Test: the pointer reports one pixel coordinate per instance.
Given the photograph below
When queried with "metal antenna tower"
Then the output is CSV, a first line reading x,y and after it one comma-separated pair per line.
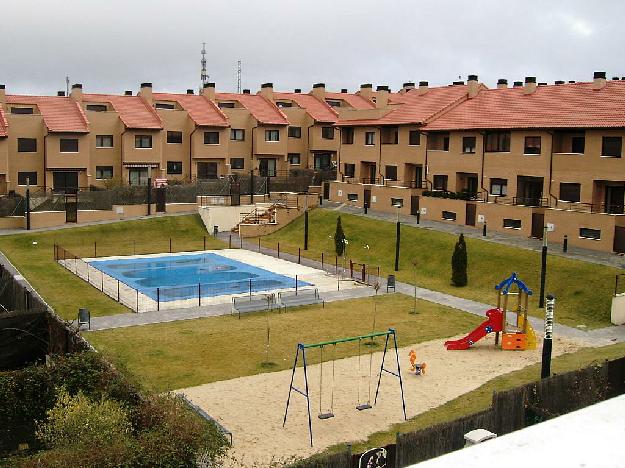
x,y
204,75
67,85
239,77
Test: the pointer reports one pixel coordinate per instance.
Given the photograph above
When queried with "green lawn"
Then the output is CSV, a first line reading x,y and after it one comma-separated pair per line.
x,y
186,353
583,290
64,291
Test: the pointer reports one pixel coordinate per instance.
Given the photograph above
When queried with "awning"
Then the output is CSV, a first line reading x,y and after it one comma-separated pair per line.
x,y
140,164
66,169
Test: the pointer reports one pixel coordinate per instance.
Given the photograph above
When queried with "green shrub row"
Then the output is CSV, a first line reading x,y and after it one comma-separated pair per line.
x,y
450,195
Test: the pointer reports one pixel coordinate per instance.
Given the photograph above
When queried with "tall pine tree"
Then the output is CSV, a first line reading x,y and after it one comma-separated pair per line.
x,y
459,263
339,237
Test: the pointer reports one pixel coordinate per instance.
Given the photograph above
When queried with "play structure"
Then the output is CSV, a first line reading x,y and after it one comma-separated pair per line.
x,y
417,367
327,412
516,334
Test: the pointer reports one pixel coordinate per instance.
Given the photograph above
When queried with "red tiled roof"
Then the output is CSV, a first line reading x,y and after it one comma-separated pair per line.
x,y
418,108
60,114
202,110
133,111
318,110
572,105
354,100
264,111
3,124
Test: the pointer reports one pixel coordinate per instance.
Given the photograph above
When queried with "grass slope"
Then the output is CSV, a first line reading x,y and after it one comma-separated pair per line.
x,y
583,290
64,291
180,354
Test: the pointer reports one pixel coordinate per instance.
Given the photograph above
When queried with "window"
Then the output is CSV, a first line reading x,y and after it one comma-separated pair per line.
x,y
165,106
104,172
22,110
68,145
138,176
237,134
25,178
498,142
272,135
389,136
347,136
143,141
570,192
578,144
211,138
438,141
97,107
352,196
327,133
397,201
174,167
104,141
449,215
468,144
350,170
174,137
440,182
588,233
611,147
512,223
391,172
295,132
333,103
414,138
499,187
237,163
226,105
532,145
283,104
369,138
26,145
293,158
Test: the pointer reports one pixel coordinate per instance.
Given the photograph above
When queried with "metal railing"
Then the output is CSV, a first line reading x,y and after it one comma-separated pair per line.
x,y
531,201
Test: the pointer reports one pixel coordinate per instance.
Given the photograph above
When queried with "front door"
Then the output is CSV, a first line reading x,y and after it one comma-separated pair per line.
x,y
267,167
323,161
367,195
470,214
138,176
65,181
326,190
538,225
414,205
619,239
206,170
614,196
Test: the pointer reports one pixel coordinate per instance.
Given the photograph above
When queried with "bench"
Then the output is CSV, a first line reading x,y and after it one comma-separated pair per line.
x,y
254,303
300,298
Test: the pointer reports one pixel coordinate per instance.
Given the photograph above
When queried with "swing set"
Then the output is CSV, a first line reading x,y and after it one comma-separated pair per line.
x,y
361,405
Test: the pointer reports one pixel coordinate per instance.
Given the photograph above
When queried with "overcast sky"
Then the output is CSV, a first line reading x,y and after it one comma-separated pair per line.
x,y
113,45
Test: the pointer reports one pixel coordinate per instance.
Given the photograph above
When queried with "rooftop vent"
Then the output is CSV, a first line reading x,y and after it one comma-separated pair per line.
x,y
517,84
559,82
143,85
60,93
382,88
458,83
298,90
189,91
344,90
77,86
246,91
319,85
127,93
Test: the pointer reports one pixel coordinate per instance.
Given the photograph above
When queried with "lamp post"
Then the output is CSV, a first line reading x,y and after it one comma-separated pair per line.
x,y
149,190
543,270
27,203
397,238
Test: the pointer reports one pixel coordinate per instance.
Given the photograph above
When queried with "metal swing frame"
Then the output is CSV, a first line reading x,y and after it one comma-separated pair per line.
x,y
301,349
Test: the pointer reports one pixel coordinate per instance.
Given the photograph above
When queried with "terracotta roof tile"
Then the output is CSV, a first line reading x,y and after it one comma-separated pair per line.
x,y
60,114
4,125
418,108
133,111
264,111
574,105
354,100
202,110
318,110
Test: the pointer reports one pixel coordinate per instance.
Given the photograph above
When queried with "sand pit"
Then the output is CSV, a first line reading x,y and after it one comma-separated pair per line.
x,y
253,407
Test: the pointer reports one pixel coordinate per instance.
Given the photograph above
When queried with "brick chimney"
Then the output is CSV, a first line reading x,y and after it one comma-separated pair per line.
x,y
473,86
319,91
423,87
381,98
517,84
76,93
3,96
599,80
266,90
366,91
146,92
189,91
409,85
297,90
209,91
247,91
502,83
530,85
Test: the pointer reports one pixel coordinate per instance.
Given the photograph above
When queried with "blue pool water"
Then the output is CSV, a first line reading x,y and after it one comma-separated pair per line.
x,y
189,276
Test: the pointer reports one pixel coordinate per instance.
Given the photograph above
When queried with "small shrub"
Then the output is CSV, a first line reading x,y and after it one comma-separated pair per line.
x,y
459,263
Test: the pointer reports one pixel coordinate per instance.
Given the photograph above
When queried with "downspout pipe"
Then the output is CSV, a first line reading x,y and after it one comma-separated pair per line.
x,y
121,156
380,156
551,195
426,171
45,162
483,134
309,148
339,173
191,153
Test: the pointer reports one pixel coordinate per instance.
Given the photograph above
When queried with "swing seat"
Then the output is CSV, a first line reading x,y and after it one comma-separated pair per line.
x,y
364,406
325,415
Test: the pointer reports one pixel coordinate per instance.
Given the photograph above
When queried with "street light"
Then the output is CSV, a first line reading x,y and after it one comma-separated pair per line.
x,y
397,237
543,270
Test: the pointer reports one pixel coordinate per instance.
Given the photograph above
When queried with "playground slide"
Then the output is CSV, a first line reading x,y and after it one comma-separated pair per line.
x,y
493,324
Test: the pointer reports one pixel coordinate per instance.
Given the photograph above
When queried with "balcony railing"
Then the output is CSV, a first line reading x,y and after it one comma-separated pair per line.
x,y
531,201
370,180
615,209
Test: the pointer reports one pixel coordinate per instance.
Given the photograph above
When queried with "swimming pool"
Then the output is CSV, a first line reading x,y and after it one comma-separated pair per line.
x,y
175,277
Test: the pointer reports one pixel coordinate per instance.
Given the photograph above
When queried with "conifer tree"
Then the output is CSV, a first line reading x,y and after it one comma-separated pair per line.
x,y
459,263
339,237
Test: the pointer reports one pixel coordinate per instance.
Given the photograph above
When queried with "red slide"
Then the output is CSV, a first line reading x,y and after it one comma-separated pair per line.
x,y
493,324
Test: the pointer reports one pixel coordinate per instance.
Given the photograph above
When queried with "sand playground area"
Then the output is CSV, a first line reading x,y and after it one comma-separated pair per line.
x,y
252,408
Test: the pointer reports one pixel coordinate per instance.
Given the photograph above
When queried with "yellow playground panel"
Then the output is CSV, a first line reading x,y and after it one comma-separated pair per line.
x,y
518,334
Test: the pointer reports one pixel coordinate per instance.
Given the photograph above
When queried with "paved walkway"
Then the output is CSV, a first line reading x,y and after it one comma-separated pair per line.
x,y
555,247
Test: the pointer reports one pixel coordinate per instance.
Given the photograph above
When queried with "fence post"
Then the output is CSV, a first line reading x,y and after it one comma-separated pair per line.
x,y
296,285
336,264
240,241
170,245
199,294
259,244
88,274
229,241
158,299
364,270
484,230
102,275
322,260
565,244
278,249
137,300
250,287
299,255
95,249
117,290
204,243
